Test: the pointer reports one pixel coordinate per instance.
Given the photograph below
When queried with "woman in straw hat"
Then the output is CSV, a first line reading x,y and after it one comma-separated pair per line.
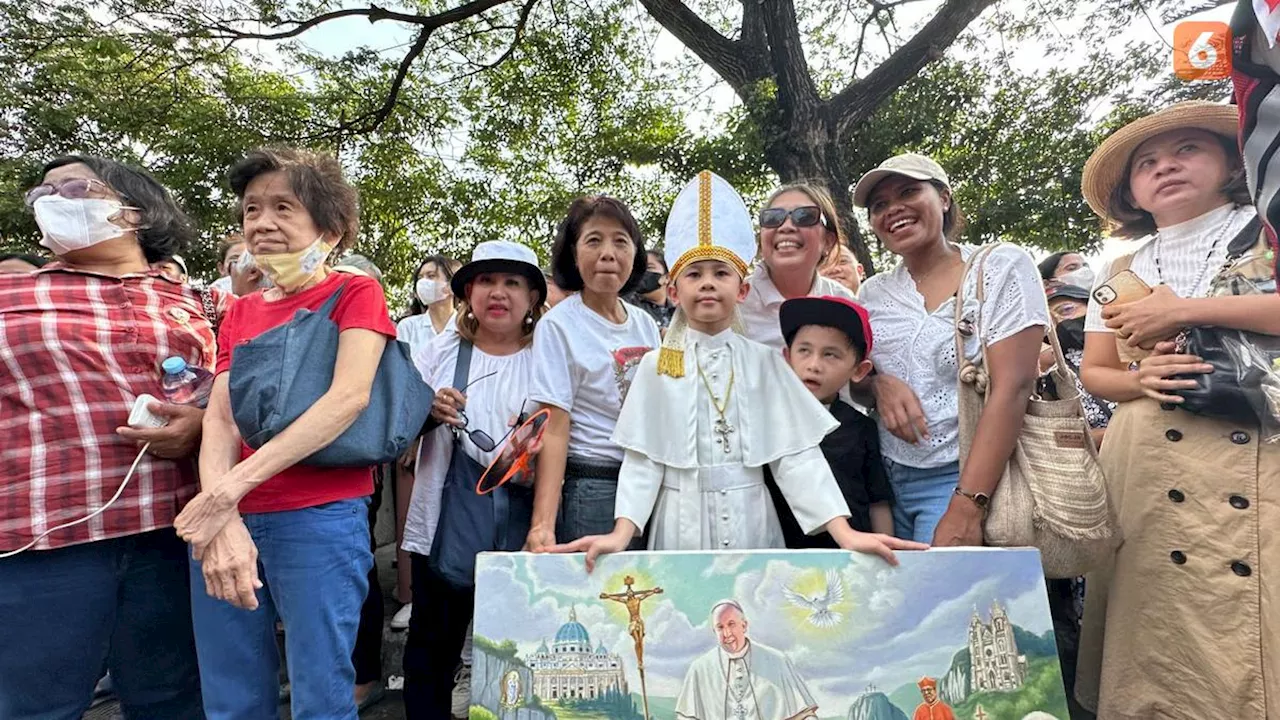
x,y
1191,624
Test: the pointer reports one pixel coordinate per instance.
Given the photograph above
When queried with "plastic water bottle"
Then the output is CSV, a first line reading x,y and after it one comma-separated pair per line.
x,y
185,385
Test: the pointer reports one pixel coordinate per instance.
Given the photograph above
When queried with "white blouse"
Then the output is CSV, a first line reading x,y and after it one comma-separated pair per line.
x,y
761,308
919,348
1187,264
491,405
418,330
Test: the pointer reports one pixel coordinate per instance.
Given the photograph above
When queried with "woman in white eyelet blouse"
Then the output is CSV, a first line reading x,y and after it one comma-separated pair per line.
x,y
909,204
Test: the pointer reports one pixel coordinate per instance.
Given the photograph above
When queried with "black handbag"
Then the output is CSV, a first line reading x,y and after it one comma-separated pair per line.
x,y
471,523
1242,361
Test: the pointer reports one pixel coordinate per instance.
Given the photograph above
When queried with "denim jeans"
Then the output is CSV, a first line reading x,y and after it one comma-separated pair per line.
x,y
586,506
314,566
920,497
67,615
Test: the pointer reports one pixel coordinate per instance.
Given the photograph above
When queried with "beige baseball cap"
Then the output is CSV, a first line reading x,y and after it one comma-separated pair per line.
x,y
912,165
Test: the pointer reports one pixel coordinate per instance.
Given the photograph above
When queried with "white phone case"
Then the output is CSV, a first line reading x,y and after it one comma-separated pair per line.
x,y
140,417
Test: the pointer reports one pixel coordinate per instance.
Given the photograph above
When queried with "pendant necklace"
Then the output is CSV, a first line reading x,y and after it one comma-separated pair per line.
x,y
722,428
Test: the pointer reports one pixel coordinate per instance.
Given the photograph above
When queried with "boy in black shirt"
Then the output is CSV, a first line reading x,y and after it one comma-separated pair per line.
x,y
828,339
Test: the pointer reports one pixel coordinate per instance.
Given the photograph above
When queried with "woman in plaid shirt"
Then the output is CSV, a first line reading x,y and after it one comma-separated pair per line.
x,y
80,340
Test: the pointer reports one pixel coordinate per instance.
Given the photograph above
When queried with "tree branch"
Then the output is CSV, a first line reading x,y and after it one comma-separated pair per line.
x,y
428,23
370,121
861,97
737,64
795,85
752,35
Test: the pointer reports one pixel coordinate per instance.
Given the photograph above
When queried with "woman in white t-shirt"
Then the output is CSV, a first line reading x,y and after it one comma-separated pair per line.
x,y
1198,498
912,309
585,354
504,294
799,230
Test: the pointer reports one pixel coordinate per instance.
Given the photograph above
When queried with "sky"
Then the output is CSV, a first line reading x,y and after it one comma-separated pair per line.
x,y
897,623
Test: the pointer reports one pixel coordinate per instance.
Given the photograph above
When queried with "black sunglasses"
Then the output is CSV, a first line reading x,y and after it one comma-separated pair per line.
x,y
482,439
806,216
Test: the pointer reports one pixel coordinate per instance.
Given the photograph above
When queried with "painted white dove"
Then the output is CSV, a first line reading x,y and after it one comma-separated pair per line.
x,y
820,615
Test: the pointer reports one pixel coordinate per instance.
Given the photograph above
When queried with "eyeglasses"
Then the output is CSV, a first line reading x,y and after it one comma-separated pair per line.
x,y
481,439
73,189
805,216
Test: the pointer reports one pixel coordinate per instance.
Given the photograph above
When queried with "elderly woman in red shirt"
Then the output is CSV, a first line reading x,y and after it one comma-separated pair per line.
x,y
80,340
272,536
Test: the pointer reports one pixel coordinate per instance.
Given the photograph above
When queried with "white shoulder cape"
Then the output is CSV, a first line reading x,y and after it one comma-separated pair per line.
x,y
780,417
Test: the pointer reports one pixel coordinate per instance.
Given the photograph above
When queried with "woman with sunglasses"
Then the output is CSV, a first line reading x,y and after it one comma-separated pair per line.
x,y
84,337
503,292
911,209
799,230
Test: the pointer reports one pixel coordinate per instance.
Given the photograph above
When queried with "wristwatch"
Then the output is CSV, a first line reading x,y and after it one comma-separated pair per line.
x,y
982,500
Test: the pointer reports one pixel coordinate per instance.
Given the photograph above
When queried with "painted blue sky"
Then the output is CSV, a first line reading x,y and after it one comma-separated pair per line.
x,y
897,623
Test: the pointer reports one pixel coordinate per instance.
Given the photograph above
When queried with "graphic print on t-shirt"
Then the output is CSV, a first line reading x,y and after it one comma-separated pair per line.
x,y
625,361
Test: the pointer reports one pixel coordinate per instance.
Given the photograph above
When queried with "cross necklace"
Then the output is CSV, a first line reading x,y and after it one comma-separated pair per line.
x,y
722,428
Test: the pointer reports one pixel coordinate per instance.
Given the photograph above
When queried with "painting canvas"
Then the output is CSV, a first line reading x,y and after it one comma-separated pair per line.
x,y
765,635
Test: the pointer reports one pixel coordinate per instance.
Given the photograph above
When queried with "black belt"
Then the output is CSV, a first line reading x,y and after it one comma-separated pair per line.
x,y
602,470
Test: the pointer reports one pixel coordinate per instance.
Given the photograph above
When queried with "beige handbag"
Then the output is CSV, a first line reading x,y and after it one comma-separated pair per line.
x,y
1052,495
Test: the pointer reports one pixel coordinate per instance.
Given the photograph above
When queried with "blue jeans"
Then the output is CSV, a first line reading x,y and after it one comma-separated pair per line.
x,y
920,497
314,565
69,614
586,503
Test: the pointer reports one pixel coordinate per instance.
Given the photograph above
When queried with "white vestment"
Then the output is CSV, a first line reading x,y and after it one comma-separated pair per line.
x,y
678,472
757,683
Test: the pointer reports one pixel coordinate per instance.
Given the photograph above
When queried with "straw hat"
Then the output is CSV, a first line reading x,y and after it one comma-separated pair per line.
x,y
1107,165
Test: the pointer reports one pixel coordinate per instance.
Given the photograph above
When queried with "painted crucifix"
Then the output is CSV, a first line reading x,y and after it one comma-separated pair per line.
x,y
635,625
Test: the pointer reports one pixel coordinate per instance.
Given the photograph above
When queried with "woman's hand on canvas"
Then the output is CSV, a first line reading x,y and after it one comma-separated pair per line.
x,y
899,408
1143,322
446,406
539,539
1156,373
596,545
871,543
961,525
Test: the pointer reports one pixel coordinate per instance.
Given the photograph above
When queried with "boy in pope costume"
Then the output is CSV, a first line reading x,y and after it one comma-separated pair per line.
x,y
710,409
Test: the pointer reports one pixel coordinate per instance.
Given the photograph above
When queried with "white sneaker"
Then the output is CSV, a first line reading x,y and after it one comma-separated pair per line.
x,y
462,693
401,619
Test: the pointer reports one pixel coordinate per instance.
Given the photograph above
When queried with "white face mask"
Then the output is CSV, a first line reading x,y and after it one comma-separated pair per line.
x,y
69,225
1080,277
431,291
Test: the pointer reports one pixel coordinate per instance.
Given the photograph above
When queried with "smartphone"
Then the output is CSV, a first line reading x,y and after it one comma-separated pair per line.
x,y
1123,287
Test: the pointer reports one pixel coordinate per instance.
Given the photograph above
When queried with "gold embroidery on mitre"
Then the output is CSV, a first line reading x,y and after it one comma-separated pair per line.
x,y
708,252
704,207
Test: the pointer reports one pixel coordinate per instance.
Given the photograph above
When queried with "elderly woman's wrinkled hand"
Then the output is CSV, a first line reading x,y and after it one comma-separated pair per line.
x,y
446,406
1144,322
205,516
230,566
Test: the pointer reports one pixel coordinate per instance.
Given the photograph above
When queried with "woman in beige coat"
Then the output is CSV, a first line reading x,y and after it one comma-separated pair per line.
x,y
1185,622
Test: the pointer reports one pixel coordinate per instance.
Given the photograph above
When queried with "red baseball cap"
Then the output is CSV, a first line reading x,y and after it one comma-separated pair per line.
x,y
840,313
